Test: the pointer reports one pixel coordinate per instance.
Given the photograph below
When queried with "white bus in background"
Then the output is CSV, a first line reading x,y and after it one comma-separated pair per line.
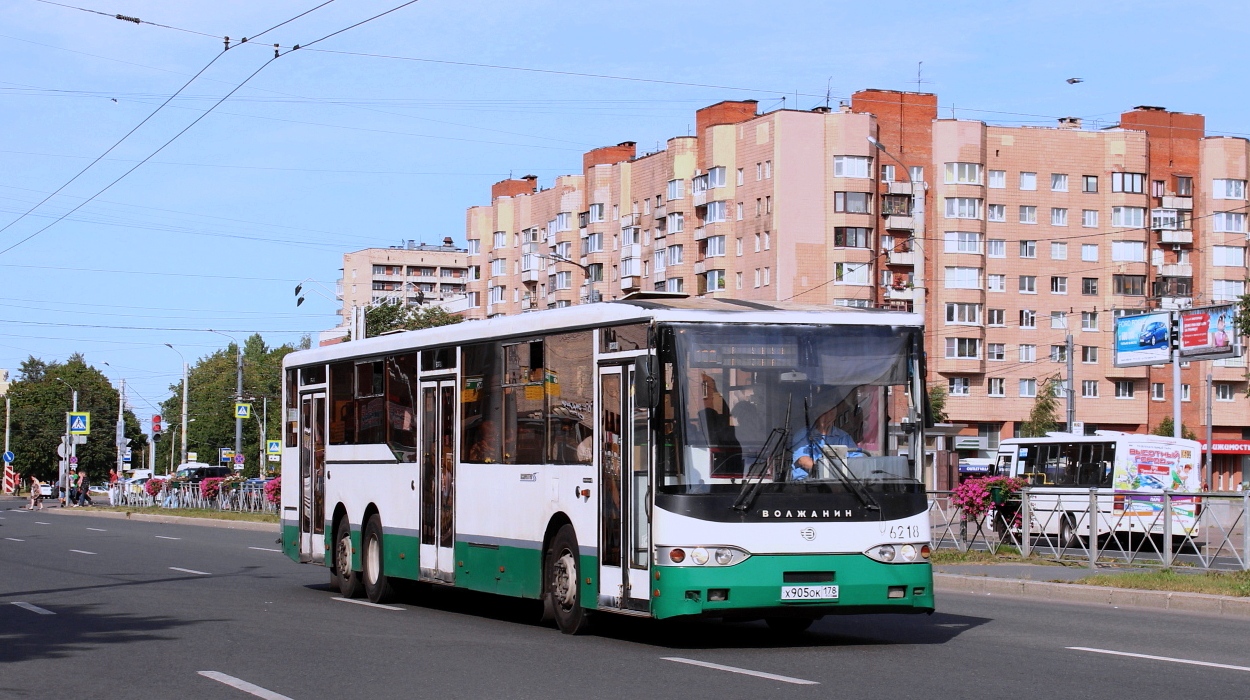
x,y
1129,471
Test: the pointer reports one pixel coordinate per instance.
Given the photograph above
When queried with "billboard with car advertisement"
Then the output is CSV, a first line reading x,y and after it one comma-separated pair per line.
x,y
1143,340
1209,333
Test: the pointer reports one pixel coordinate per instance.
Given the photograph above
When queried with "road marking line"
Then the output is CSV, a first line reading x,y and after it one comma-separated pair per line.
x,y
34,608
39,523
81,551
365,602
14,539
191,571
96,529
1161,658
243,685
162,537
743,671
266,549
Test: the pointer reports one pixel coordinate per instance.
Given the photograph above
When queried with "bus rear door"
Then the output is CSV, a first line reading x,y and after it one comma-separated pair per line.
x,y
312,472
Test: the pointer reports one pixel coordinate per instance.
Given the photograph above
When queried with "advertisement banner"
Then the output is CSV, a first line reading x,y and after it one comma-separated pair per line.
x,y
1146,471
1209,333
1143,340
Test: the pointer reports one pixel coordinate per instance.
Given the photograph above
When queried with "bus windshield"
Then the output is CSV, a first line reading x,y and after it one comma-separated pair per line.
x,y
830,393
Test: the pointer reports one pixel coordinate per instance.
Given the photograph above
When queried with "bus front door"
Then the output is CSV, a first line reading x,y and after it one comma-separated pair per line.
x,y
624,513
438,479
312,472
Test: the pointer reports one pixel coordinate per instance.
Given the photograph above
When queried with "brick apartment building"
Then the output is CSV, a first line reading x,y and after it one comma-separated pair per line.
x,y
1006,239
413,273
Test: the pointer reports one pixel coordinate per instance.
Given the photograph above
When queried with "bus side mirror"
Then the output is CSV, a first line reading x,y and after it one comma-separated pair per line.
x,y
646,393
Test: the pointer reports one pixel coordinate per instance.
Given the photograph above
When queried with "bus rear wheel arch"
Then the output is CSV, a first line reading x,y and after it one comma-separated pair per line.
x,y
561,579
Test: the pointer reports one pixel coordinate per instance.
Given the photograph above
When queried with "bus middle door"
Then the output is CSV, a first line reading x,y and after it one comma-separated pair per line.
x,y
438,479
624,514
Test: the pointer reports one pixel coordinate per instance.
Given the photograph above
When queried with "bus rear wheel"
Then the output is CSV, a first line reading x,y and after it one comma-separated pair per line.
x,y
561,578
342,575
378,586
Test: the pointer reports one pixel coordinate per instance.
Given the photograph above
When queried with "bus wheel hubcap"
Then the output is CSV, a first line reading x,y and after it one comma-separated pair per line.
x,y
565,591
345,558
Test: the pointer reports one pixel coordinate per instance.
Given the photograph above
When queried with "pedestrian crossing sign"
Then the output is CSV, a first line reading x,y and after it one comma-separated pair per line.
x,y
243,410
274,447
80,423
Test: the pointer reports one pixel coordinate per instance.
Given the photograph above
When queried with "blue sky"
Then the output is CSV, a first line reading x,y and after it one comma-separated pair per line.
x,y
324,152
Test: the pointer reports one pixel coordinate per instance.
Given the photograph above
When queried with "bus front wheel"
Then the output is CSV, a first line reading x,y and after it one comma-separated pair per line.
x,y
342,575
378,586
562,574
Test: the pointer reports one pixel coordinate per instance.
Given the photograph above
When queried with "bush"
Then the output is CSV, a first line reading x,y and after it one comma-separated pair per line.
x,y
273,490
211,487
974,496
153,487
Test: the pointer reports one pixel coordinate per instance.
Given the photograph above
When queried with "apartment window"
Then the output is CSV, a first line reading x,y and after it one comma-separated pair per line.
x,y
1089,218
1028,388
768,168
846,166
631,236
715,280
1058,285
716,177
1228,256
1133,183
1156,188
1028,181
1028,215
1028,249
497,294
1089,354
1058,182
1224,391
498,267
716,212
852,273
676,284
1229,222
739,211
1059,320
957,386
676,189
1156,391
768,204
1228,189
740,177
563,221
738,279
715,246
674,255
963,278
962,313
963,208
1227,290
996,352
995,385
767,240
500,240
1184,186
916,172
963,348
1185,392
1089,252
698,184
1058,353
757,278
1089,184
1089,388
996,317
1124,388
759,172
1128,217
1164,219
996,212
593,243
963,242
1128,251
852,202
739,247
998,179
996,283
758,238
675,222
1058,251
661,260
887,173
596,214
850,237
1129,285
963,173
1028,353
1089,286
1089,320
996,248
767,275
564,280
1028,284
1028,318
1058,217
475,246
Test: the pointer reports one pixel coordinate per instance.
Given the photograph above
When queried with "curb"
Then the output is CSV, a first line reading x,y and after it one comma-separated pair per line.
x,y
171,519
1201,603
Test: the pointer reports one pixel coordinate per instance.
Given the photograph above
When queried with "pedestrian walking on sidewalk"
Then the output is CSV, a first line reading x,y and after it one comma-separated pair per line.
x,y
84,496
113,487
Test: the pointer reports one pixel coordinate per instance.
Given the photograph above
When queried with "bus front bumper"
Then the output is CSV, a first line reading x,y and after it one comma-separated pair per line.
x,y
753,588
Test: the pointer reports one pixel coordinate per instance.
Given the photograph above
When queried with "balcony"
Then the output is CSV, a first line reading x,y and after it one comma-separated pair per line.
x,y
700,268
900,293
904,188
628,220
1177,270
900,223
1178,202
700,198
1186,237
659,212
629,284
631,251
527,302
531,275
903,258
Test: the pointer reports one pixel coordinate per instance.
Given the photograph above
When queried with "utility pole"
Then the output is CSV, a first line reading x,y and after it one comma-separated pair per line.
x,y
8,465
1071,387
238,397
1176,394
184,411
1206,472
121,430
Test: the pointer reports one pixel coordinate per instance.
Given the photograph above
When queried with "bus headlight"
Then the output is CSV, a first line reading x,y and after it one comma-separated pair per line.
x,y
908,553
701,555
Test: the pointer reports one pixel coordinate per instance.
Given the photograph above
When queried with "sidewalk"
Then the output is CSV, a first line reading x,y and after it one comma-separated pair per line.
x,y
12,503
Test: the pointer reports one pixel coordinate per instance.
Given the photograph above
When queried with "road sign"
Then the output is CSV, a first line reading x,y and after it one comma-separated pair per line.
x,y
73,459
80,423
192,457
238,459
127,454
243,410
8,456
274,447
275,458
225,454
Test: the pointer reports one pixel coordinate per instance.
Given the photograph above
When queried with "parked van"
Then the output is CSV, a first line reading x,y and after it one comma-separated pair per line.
x,y
198,471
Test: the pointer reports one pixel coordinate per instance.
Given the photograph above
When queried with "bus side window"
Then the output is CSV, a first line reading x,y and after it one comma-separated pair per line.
x,y
342,403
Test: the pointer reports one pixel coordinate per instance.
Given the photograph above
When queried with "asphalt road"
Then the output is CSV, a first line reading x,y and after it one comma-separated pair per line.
x,y
141,609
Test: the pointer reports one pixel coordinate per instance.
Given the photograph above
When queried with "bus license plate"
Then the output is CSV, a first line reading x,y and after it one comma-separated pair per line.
x,y
809,592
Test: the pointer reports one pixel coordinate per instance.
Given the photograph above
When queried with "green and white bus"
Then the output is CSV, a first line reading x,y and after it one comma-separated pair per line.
x,y
643,457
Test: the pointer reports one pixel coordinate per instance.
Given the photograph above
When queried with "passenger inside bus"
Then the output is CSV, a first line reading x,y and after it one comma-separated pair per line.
x,y
485,446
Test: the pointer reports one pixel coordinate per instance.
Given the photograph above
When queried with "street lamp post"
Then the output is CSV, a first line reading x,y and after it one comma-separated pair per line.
x,y
238,393
71,451
184,403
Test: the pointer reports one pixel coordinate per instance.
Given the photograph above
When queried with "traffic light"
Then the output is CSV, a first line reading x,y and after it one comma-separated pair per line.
x,y
156,424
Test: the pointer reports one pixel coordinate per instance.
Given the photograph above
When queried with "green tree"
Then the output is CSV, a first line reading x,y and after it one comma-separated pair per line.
x,y
1166,426
1044,416
937,403
392,316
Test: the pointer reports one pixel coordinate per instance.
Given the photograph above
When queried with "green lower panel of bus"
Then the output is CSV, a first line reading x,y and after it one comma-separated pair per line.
x,y
290,539
514,571
863,585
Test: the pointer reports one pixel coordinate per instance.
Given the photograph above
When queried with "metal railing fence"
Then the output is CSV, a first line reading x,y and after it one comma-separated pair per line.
x,y
242,498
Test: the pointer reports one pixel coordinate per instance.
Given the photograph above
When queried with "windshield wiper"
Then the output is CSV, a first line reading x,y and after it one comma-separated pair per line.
x,y
769,452
843,470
